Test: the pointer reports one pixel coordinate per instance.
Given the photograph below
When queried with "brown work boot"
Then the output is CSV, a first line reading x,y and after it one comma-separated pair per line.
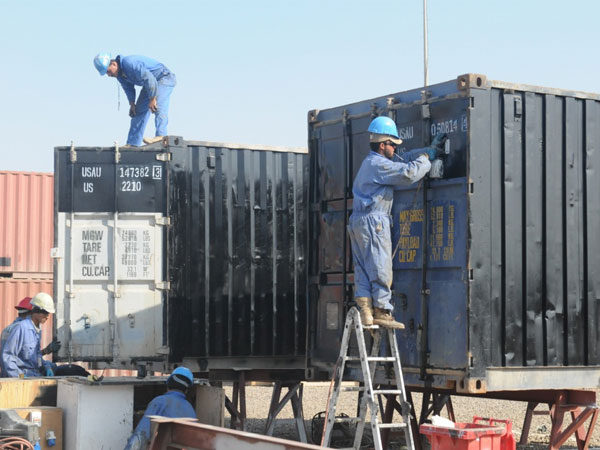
x,y
152,140
384,318
365,307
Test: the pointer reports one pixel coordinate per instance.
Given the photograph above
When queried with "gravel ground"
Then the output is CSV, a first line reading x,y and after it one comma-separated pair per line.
x,y
315,400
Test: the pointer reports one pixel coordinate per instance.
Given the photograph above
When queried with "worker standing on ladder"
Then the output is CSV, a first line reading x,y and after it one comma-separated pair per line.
x,y
369,226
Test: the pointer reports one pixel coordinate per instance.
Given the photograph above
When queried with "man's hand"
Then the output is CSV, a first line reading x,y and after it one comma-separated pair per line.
x,y
152,105
430,152
439,142
52,347
132,110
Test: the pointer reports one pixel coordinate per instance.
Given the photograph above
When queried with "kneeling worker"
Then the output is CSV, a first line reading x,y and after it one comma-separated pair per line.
x,y
21,352
172,404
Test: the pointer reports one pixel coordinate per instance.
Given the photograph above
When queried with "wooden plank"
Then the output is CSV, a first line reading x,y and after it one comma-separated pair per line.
x,y
23,392
210,405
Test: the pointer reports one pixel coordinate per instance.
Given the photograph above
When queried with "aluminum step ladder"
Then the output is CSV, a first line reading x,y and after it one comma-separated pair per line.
x,y
369,362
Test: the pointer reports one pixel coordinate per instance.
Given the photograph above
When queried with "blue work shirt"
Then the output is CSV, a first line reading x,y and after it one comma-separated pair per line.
x,y
21,353
172,404
8,329
374,184
136,70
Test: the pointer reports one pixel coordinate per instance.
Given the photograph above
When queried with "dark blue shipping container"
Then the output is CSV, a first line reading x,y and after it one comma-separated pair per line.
x,y
497,263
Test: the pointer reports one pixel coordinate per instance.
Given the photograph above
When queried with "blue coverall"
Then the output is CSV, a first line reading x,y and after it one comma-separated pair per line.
x,y
370,222
21,353
172,404
7,330
156,81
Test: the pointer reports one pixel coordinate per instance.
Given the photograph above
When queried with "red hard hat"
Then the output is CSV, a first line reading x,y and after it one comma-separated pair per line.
x,y
25,304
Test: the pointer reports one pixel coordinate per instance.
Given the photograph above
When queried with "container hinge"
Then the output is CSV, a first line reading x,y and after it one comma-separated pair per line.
x,y
117,152
164,285
55,253
425,292
211,159
164,156
163,221
72,153
425,111
518,107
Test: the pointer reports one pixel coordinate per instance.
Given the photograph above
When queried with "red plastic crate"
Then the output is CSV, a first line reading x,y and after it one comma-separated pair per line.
x,y
471,436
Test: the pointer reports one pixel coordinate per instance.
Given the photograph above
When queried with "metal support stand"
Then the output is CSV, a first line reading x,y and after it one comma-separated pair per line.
x,y
580,413
433,403
237,405
294,395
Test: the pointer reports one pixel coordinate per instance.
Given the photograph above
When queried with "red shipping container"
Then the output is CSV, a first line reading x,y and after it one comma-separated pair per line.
x,y
12,291
471,436
26,224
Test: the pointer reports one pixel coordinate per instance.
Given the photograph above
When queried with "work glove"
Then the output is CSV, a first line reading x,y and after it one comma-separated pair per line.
x,y
132,110
438,143
430,152
49,372
52,347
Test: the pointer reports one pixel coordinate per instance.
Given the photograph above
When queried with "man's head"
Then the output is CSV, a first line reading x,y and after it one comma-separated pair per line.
x,y
102,63
180,379
42,306
383,136
24,307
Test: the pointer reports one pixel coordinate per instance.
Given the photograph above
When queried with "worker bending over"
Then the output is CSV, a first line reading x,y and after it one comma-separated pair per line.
x,y
172,404
157,84
369,224
21,352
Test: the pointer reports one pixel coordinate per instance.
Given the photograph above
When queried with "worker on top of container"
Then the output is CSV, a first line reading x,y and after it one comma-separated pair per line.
x,y
369,224
21,353
157,84
172,404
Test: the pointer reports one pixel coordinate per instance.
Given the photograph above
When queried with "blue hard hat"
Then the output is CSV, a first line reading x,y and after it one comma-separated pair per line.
x,y
101,62
181,373
383,128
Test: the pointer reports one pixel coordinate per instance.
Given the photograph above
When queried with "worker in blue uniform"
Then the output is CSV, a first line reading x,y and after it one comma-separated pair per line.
x,y
23,310
21,353
172,404
157,83
369,226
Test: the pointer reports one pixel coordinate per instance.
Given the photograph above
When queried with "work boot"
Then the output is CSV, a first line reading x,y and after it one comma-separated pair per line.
x,y
366,310
384,318
152,140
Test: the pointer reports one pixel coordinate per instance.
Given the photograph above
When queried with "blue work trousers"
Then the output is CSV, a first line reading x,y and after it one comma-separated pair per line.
x,y
371,241
142,113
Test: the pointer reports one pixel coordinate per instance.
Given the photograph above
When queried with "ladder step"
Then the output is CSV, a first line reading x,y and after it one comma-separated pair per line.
x,y
392,425
357,389
381,358
387,391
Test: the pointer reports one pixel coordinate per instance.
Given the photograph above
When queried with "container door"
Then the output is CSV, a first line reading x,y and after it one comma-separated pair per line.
x,y
110,279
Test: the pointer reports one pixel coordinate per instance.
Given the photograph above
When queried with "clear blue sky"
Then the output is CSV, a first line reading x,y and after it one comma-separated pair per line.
x,y
248,71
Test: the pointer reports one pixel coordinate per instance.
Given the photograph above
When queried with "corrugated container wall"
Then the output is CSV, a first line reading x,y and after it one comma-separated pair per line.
x,y
496,263
12,291
183,251
26,224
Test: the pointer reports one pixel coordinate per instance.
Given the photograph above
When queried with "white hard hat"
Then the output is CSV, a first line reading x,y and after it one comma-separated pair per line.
x,y
43,301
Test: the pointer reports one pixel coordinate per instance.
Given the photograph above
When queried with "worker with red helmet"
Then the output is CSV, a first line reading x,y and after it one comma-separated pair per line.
x,y
23,310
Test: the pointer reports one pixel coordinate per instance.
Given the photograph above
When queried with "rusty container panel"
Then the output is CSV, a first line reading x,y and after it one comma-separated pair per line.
x,y
12,291
26,224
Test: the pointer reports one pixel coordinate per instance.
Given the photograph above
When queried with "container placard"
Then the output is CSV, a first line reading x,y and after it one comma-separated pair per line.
x,y
90,253
136,253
